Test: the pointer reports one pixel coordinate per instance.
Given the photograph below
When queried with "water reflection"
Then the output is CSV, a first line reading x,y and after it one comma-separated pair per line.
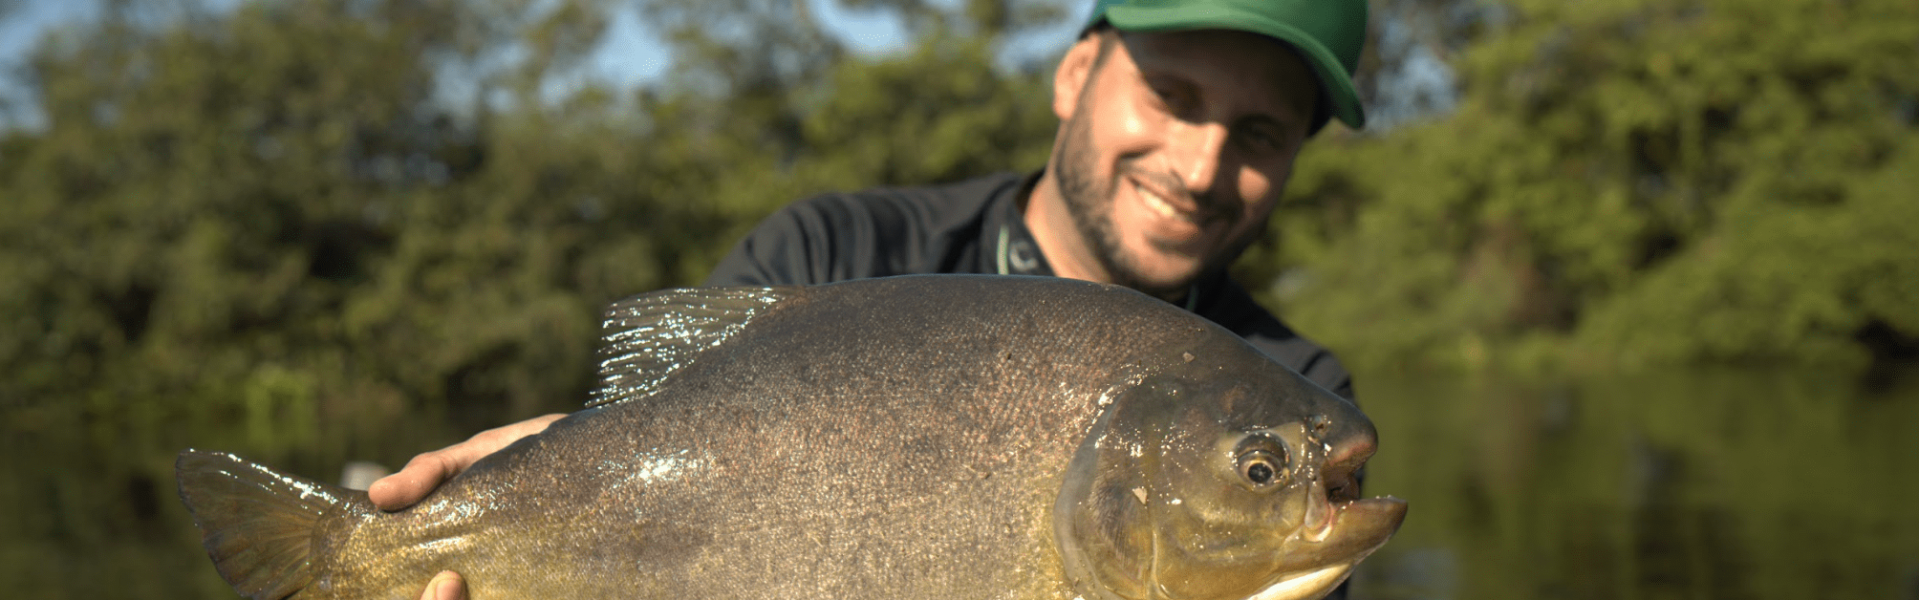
x,y
1723,484
1736,485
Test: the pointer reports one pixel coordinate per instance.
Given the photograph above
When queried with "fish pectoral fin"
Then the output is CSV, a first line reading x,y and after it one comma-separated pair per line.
x,y
257,525
651,336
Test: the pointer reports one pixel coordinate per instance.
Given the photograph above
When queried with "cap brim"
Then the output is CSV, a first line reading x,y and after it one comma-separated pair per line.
x,y
1333,81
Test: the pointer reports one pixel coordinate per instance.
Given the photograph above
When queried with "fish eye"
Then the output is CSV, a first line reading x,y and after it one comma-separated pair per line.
x,y
1262,468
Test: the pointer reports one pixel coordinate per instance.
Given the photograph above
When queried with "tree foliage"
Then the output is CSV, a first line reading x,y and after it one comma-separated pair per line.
x,y
1629,183
287,185
287,195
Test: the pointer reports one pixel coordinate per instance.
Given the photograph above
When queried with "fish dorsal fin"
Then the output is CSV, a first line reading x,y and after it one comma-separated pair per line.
x,y
652,336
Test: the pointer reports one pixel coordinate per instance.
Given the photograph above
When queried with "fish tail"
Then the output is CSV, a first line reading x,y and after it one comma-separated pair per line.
x,y
258,526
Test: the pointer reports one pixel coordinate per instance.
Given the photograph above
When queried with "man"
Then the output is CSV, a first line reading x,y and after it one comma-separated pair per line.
x,y
1180,121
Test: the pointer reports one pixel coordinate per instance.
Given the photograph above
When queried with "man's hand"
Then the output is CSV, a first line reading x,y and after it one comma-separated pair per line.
x,y
445,586
427,471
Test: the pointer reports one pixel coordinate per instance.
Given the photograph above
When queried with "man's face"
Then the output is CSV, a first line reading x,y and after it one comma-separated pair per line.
x,y
1176,147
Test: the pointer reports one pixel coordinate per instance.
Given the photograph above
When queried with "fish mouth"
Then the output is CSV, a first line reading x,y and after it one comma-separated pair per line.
x,y
1333,541
1352,529
1311,584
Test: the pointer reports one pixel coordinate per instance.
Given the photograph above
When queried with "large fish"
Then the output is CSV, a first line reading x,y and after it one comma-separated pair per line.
x,y
904,438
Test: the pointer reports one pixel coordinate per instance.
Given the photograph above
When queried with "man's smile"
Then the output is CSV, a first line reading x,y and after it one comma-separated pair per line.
x,y
1165,208
1177,218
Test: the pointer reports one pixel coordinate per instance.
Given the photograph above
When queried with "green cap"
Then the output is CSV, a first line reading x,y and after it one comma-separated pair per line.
x,y
1328,33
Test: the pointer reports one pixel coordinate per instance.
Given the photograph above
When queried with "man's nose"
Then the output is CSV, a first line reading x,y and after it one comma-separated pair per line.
x,y
1197,154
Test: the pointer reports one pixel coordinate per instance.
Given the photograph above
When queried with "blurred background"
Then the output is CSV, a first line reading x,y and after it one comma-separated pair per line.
x,y
1630,287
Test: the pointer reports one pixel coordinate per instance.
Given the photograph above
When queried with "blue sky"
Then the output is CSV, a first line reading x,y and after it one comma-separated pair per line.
x,y
632,53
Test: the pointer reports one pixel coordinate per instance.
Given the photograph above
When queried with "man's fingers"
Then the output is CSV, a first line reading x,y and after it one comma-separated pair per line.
x,y
426,471
445,586
492,440
413,482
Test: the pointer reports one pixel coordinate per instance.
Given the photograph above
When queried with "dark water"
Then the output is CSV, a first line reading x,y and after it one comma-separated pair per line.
x,y
1730,484
1757,484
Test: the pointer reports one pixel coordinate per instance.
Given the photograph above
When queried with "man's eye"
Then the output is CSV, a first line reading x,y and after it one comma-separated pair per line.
x,y
1175,100
1258,138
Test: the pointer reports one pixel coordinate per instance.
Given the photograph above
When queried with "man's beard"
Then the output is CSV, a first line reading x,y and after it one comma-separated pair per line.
x,y
1090,201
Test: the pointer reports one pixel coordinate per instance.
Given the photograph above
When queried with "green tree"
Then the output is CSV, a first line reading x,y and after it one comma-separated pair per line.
x,y
1627,183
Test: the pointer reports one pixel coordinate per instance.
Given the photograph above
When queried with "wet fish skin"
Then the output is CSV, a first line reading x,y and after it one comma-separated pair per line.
x,y
911,437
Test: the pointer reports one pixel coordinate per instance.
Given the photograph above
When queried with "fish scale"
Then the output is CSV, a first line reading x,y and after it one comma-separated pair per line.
x,y
910,437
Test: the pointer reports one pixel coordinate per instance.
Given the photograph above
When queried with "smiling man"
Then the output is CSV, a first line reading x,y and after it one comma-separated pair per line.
x,y
1179,127
1170,159
1180,122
